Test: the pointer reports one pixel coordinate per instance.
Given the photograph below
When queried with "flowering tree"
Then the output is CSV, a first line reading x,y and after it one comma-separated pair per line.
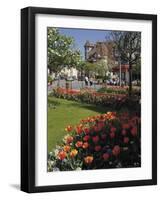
x,y
102,67
61,52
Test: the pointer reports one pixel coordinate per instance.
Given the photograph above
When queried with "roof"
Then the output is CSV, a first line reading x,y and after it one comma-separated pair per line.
x,y
99,48
88,44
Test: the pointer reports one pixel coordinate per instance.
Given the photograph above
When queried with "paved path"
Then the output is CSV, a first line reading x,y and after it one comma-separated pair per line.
x,y
75,85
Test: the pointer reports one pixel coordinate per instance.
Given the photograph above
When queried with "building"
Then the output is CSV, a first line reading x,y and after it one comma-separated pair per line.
x,y
105,51
65,72
98,51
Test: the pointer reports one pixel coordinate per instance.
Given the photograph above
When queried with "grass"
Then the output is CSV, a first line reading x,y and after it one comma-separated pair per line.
x,y
63,112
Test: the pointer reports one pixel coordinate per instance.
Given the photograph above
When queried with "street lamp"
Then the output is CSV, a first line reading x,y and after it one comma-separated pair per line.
x,y
118,56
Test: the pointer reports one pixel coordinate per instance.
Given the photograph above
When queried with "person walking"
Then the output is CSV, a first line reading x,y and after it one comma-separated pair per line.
x,y
86,80
91,81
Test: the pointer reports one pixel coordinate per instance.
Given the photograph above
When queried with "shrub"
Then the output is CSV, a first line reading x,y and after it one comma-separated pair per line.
x,y
119,90
49,78
113,90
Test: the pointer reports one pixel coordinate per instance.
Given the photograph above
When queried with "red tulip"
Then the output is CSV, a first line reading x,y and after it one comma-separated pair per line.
x,y
112,135
116,150
134,131
100,125
125,126
79,130
105,156
86,138
95,139
123,132
86,130
97,148
79,144
62,155
113,129
126,140
103,136
96,129
69,139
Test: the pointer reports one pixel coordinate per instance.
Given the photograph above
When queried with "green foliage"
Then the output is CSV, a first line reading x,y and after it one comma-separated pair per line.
x,y
119,90
61,52
49,78
99,68
90,68
112,90
102,68
137,68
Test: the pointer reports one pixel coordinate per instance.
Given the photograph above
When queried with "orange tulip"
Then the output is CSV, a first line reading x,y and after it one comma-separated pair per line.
x,y
88,159
111,115
73,153
66,148
85,145
68,128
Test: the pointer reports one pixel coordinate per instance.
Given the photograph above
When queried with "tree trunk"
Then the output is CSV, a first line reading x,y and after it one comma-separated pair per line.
x,y
130,80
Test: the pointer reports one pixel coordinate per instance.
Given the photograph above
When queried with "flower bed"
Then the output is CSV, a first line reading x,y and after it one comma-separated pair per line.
x,y
119,90
89,96
104,141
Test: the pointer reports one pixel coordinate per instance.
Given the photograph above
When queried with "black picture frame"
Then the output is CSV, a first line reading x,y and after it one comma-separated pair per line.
x,y
28,98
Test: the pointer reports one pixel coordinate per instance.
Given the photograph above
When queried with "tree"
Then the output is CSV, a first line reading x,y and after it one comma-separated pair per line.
x,y
103,67
136,70
128,48
61,52
90,68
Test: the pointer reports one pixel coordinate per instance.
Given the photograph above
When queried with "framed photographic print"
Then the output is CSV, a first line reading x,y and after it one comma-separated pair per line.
x,y
88,99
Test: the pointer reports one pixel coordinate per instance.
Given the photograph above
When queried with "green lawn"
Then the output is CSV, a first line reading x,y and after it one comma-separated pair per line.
x,y
65,113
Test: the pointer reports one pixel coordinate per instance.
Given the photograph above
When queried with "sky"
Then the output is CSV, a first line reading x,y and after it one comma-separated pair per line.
x,y
82,35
